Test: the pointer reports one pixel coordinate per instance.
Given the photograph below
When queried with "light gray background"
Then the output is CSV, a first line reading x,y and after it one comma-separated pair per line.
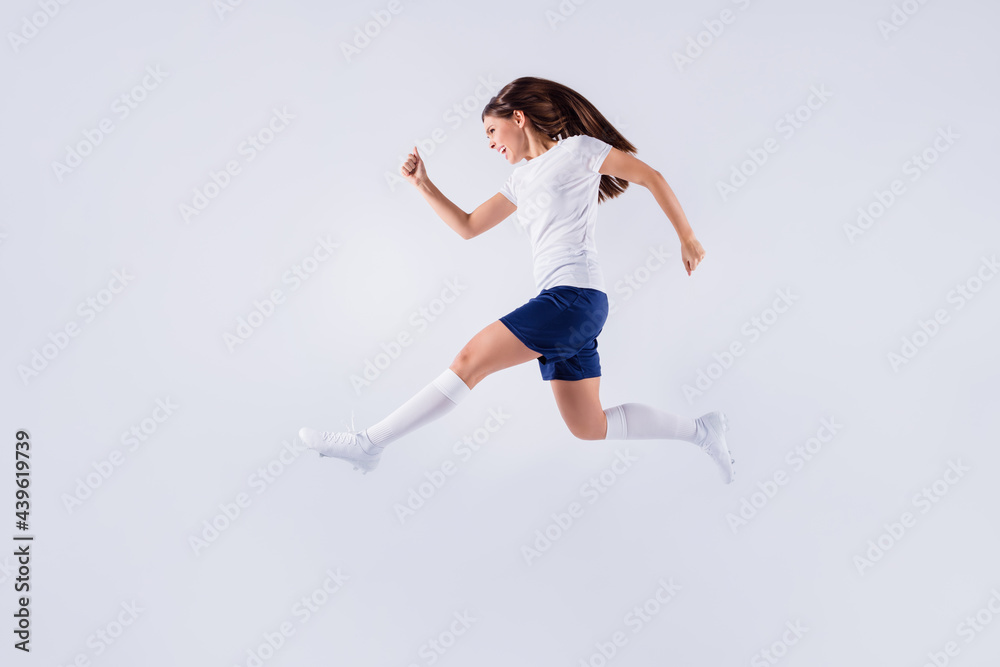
x,y
826,358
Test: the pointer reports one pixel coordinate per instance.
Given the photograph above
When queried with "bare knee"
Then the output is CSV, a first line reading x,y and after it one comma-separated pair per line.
x,y
592,430
464,367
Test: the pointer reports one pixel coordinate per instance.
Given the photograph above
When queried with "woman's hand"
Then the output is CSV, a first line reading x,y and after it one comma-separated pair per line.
x,y
413,169
691,253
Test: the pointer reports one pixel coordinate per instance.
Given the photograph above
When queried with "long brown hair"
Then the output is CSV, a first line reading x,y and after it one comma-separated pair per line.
x,y
558,111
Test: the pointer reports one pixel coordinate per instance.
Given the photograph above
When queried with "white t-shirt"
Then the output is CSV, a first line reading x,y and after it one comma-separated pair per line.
x,y
556,198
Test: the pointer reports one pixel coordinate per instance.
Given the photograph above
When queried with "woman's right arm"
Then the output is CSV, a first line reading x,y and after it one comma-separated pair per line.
x,y
415,173
467,225
453,216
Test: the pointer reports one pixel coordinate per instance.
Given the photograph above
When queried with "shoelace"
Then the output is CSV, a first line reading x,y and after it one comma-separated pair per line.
x,y
342,438
339,438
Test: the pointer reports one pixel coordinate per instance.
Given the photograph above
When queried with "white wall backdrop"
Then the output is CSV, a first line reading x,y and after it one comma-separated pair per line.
x,y
171,169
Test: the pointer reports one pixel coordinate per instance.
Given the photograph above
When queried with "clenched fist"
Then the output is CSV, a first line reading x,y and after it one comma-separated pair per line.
x,y
691,254
413,169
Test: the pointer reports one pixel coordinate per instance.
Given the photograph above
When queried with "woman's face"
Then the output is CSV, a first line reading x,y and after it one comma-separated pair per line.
x,y
505,136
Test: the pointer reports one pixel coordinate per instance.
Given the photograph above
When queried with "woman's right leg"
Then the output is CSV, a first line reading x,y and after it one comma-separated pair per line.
x,y
492,349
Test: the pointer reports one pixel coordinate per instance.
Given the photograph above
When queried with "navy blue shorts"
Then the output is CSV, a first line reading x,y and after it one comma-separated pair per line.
x,y
562,324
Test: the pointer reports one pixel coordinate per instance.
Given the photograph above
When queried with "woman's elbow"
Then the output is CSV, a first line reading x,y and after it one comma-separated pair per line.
x,y
651,178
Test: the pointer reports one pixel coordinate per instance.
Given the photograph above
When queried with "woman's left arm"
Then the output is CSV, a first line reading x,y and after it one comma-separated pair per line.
x,y
630,168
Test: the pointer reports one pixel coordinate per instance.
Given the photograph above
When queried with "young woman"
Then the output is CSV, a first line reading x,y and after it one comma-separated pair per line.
x,y
575,159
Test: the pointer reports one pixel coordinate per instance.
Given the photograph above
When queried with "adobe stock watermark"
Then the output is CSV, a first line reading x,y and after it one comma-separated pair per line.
x,y
752,329
923,501
88,310
636,619
562,12
454,116
132,438
914,167
532,208
592,490
365,33
121,107
224,7
108,634
304,609
786,126
714,29
296,276
218,180
32,24
961,294
797,457
435,479
629,284
639,277
968,629
260,480
420,319
778,649
899,16
436,647
7,568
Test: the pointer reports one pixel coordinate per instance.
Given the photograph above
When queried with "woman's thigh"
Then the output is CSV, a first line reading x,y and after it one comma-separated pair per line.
x,y
492,349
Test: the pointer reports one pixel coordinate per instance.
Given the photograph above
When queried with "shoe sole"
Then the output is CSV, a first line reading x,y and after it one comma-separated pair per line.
x,y
364,466
725,427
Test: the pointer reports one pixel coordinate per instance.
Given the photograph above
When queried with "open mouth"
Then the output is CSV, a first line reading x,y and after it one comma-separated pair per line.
x,y
503,151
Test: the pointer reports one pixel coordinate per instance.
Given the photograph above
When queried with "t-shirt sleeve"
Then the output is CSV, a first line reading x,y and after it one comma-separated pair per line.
x,y
507,190
592,150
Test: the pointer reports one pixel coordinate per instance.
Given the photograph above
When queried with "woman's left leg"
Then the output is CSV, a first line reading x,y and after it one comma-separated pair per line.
x,y
580,406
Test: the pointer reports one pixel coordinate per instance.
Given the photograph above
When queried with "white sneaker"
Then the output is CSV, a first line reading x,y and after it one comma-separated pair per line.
x,y
714,444
351,446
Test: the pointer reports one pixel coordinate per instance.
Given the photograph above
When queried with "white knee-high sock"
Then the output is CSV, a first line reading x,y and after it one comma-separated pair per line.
x,y
637,421
431,402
